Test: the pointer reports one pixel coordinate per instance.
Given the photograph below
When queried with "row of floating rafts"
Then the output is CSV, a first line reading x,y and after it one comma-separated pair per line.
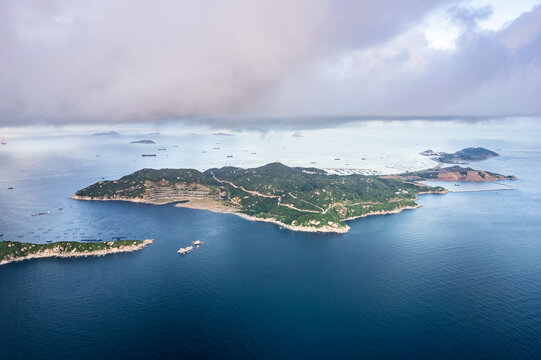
x,y
41,213
45,212
185,250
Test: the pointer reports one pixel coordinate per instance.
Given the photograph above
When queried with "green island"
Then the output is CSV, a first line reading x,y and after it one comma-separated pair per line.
x,y
303,199
12,251
462,156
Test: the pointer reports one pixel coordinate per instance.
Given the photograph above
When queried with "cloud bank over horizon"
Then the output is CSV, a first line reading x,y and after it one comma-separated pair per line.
x,y
244,61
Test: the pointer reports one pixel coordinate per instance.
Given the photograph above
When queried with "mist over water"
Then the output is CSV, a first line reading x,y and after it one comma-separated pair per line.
x,y
456,278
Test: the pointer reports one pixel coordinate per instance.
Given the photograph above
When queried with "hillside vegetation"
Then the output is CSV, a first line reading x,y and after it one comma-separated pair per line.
x,y
297,197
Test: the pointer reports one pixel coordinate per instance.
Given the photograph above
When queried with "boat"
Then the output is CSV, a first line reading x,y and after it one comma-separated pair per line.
x,y
147,155
229,156
4,142
10,188
336,158
254,153
162,149
184,251
215,148
457,185
49,241
196,243
34,214
44,213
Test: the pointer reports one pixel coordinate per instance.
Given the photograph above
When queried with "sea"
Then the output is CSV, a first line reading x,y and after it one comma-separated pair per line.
x,y
458,278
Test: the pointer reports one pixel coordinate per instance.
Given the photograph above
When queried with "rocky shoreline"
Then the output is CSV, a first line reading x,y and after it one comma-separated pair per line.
x,y
58,253
228,210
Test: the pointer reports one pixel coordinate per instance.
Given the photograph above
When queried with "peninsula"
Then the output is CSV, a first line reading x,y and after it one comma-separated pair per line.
x,y
12,251
453,173
302,199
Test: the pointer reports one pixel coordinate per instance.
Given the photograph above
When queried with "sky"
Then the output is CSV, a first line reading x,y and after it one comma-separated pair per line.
x,y
255,62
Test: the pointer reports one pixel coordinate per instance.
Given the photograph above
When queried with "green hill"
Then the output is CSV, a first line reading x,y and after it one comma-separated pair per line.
x,y
300,198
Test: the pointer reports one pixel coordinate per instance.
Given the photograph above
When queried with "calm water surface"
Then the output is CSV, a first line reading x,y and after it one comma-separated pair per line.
x,y
458,278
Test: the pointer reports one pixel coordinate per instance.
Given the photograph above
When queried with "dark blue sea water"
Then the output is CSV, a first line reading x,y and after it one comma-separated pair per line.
x,y
458,278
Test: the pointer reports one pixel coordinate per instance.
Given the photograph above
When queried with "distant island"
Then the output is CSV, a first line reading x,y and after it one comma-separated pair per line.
x,y
453,173
109,133
142,142
460,157
12,251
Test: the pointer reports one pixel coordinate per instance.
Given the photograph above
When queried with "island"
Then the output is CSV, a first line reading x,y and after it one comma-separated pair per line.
x,y
462,156
13,251
143,142
302,199
108,133
296,198
452,173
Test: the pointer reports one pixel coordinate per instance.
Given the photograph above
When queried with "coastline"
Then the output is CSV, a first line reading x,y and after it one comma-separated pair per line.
x,y
57,253
217,207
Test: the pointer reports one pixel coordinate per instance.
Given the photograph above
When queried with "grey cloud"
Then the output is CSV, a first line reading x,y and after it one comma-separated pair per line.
x,y
489,74
122,61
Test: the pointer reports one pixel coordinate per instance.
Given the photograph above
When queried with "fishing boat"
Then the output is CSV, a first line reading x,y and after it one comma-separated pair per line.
x,y
184,251
147,155
4,142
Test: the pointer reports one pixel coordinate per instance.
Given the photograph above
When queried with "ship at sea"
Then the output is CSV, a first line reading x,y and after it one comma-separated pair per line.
x,y
147,155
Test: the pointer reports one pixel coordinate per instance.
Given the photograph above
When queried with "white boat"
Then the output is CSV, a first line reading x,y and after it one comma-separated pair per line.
x,y
196,243
184,251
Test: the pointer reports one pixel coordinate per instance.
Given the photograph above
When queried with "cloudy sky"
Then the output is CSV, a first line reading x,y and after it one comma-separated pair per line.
x,y
229,62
